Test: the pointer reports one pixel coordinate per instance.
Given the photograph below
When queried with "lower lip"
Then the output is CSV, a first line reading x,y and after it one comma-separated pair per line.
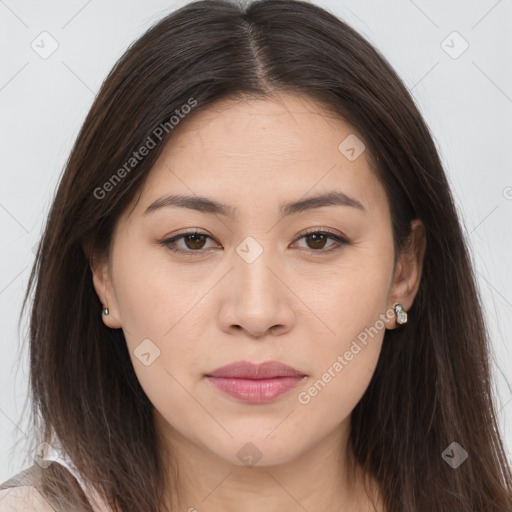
x,y
255,391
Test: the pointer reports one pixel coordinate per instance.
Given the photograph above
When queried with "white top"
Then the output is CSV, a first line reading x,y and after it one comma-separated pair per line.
x,y
27,498
23,498
57,454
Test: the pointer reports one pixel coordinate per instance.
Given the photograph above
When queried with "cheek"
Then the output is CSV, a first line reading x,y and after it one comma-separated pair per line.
x,y
153,297
331,396
351,295
344,362
351,309
159,315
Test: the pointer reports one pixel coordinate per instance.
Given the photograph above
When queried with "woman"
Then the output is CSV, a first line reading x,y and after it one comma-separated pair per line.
x,y
253,289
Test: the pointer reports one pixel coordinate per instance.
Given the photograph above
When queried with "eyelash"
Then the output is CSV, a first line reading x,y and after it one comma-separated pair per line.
x,y
167,242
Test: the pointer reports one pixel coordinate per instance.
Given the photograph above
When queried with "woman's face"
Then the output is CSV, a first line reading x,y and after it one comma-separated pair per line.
x,y
253,285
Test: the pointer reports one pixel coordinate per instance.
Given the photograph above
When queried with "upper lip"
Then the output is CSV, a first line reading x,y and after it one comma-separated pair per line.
x,y
248,370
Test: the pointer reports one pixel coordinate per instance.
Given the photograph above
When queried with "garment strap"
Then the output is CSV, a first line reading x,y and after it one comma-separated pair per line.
x,y
32,476
29,476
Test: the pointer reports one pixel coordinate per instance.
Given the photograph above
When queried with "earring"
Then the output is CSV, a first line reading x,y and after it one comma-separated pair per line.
x,y
105,311
400,313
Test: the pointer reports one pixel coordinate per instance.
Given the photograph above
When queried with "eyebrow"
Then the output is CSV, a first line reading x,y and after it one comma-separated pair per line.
x,y
206,205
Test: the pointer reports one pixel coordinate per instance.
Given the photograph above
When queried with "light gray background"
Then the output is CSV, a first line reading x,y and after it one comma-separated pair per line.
x,y
467,102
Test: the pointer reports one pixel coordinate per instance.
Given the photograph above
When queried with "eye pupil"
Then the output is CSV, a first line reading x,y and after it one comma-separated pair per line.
x,y
195,238
316,237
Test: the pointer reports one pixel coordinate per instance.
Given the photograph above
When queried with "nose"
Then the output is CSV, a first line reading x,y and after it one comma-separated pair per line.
x,y
256,298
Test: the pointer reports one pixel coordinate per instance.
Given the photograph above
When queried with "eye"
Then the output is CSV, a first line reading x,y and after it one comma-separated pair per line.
x,y
194,242
316,241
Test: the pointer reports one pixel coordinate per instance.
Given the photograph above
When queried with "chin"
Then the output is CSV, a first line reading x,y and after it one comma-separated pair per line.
x,y
255,451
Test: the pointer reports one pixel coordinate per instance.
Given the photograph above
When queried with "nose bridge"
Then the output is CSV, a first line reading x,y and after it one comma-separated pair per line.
x,y
252,263
257,299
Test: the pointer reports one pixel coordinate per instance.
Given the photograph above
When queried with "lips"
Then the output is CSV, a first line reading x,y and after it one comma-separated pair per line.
x,y
255,383
247,370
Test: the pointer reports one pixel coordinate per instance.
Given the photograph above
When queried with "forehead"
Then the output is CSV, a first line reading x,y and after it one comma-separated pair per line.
x,y
286,125
282,148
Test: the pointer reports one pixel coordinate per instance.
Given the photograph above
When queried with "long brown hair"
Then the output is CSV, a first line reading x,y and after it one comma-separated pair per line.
x,y
432,383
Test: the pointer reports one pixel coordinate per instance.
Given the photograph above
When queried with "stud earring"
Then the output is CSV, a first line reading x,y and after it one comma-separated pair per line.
x,y
400,313
105,311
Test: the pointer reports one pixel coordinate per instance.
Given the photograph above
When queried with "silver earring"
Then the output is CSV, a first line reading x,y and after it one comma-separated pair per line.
x,y
105,311
401,314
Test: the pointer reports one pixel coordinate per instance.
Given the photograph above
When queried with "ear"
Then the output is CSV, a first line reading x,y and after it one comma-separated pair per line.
x,y
407,276
100,268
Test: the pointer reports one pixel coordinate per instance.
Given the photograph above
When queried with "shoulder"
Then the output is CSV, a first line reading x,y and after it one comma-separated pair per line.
x,y
23,498
20,492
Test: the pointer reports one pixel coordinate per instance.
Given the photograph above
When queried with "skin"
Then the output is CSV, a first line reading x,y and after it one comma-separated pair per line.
x,y
290,304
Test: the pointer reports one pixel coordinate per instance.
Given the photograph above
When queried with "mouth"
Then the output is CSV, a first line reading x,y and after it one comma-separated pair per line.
x,y
255,383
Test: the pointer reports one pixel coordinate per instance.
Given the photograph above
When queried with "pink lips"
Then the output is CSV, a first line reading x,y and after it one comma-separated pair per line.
x,y
255,383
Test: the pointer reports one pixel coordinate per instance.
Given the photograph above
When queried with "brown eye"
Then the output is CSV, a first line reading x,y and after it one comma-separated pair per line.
x,y
190,243
316,240
195,241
